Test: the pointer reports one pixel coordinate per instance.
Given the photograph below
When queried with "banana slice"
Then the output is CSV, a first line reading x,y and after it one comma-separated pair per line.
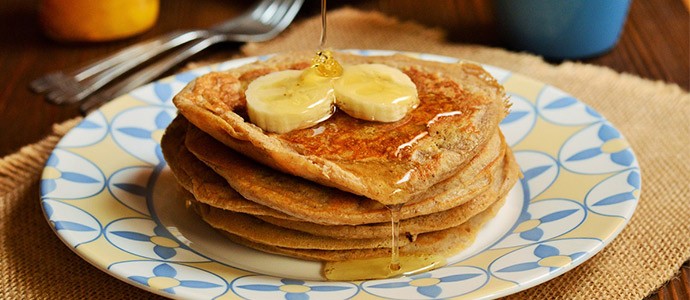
x,y
375,92
288,100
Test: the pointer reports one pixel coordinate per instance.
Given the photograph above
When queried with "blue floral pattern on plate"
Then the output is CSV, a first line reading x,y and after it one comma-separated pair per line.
x,y
267,287
74,224
103,192
146,238
91,130
541,259
597,149
539,171
70,176
129,186
172,279
558,107
520,121
544,220
135,129
438,284
617,195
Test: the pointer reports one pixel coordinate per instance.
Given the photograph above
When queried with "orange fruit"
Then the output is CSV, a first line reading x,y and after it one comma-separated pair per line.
x,y
96,20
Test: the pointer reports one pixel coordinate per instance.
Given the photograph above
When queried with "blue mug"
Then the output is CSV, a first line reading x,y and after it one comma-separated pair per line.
x,y
561,29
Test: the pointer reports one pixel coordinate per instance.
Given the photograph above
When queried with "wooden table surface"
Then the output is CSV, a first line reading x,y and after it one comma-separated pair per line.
x,y
654,45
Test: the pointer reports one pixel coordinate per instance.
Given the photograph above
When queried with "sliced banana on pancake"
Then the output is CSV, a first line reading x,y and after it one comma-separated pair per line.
x,y
288,100
375,92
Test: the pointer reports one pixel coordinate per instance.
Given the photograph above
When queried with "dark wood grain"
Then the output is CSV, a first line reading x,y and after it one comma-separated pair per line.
x,y
654,45
677,288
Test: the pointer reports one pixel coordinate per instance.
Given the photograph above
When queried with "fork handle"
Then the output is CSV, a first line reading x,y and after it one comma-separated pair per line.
x,y
149,73
168,41
131,62
126,54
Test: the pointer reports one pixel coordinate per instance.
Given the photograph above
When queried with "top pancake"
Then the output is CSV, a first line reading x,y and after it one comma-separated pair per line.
x,y
460,108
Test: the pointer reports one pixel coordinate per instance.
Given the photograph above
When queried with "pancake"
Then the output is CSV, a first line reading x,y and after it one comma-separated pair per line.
x,y
409,227
258,231
444,242
212,188
199,180
318,204
307,201
460,108
413,226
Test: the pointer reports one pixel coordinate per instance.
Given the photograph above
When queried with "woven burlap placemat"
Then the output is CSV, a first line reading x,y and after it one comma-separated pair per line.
x,y
652,115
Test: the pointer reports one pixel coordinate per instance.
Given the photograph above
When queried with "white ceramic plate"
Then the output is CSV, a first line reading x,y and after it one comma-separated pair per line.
x,y
109,195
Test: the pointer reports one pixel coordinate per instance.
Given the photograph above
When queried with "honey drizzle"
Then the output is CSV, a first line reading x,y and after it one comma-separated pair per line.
x,y
324,62
394,210
322,40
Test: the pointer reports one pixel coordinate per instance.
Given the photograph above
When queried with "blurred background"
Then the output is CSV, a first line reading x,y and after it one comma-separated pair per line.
x,y
654,42
466,21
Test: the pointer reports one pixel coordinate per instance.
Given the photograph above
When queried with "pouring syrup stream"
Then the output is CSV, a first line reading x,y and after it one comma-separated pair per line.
x,y
322,39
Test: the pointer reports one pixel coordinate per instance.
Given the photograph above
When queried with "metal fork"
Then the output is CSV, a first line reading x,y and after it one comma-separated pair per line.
x,y
262,22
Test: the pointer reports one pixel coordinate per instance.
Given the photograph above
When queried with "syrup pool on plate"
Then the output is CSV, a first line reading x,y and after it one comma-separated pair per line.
x,y
384,267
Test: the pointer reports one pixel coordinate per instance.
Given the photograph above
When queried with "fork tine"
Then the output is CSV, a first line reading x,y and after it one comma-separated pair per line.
x,y
262,8
278,13
271,11
293,7
256,31
253,12
42,84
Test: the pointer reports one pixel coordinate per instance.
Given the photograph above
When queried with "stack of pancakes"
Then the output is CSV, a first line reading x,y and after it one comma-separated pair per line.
x,y
324,193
